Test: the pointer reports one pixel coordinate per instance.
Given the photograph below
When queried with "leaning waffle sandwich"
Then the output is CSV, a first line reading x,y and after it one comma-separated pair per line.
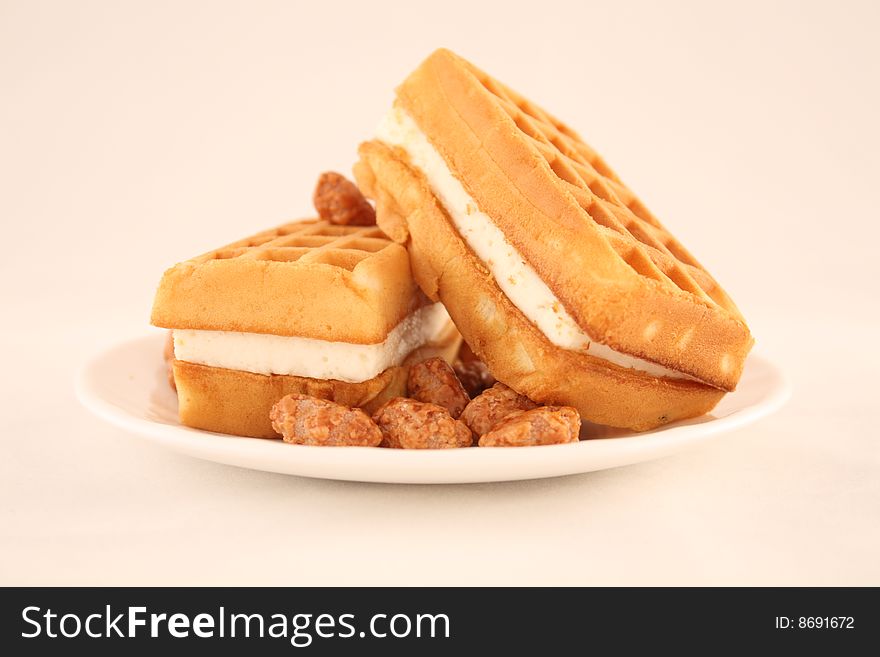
x,y
557,276
310,308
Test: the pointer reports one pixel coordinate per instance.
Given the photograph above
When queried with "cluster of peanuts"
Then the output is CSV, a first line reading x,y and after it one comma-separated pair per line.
x,y
440,413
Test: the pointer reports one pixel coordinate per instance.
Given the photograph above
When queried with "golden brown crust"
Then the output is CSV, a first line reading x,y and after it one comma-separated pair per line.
x,y
309,279
168,356
516,352
239,403
613,266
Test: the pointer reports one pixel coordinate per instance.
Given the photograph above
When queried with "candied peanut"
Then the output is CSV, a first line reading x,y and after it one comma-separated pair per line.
x,y
411,424
433,381
474,376
339,201
547,425
305,420
492,406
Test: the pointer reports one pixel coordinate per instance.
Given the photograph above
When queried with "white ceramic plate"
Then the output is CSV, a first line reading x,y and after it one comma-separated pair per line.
x,y
126,385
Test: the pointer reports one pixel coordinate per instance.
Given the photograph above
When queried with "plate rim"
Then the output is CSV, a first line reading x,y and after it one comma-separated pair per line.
x,y
235,450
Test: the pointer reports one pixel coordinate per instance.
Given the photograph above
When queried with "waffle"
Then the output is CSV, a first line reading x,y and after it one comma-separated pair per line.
x,y
309,279
624,279
306,279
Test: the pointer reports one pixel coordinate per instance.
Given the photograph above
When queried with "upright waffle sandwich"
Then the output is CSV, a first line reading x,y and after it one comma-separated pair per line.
x,y
308,307
558,277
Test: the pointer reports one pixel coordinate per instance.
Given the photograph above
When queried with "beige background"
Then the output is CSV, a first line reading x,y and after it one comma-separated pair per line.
x,y
133,135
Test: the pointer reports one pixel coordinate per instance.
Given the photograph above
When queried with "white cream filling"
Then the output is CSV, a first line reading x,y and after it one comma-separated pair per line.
x,y
262,353
516,278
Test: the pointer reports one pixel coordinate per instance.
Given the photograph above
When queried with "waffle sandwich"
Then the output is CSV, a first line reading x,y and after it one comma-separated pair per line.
x,y
557,276
309,307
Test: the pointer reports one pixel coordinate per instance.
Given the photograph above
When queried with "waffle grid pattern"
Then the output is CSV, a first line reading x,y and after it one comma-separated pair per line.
x,y
307,242
633,232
